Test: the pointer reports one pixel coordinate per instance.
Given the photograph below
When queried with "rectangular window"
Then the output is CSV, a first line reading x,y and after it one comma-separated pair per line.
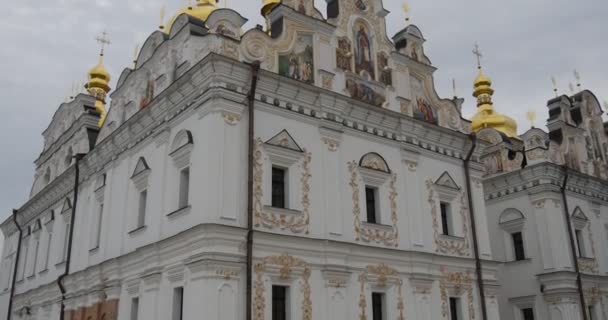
x,y
371,197
47,255
22,262
278,187
141,213
279,302
178,303
446,218
98,222
591,313
454,309
32,267
518,246
66,242
580,242
135,308
527,314
184,188
378,306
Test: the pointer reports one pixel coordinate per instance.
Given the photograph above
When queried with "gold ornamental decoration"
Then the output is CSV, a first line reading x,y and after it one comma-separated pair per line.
x,y
384,275
286,264
296,223
460,282
457,246
368,234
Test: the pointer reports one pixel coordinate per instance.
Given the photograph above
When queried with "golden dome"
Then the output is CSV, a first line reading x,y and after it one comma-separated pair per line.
x,y
486,116
98,86
267,6
201,11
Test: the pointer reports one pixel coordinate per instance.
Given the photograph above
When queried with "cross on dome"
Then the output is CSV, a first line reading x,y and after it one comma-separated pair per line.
x,y
478,54
103,40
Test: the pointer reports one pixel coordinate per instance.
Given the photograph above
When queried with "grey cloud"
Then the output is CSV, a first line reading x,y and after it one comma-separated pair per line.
x,y
47,45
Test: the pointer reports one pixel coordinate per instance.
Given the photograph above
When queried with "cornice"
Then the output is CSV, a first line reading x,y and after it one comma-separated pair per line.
x,y
544,177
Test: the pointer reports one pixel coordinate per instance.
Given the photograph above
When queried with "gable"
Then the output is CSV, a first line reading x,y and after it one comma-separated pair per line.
x,y
284,140
142,166
445,180
579,214
67,205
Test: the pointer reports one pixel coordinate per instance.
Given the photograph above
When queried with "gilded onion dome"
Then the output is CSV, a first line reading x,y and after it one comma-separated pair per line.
x,y
267,6
201,11
486,116
99,86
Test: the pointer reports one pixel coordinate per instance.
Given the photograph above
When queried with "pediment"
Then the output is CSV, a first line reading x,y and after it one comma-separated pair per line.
x,y
579,214
446,180
141,167
284,140
67,205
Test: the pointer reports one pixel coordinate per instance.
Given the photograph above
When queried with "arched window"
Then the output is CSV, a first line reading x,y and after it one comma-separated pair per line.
x,y
181,151
375,173
512,221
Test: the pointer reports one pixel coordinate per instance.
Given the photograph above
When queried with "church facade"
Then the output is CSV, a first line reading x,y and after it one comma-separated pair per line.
x,y
306,170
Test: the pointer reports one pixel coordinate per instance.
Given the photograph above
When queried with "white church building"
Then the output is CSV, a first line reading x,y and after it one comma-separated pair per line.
x,y
305,170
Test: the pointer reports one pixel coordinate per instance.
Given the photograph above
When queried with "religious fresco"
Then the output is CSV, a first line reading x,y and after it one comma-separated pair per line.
x,y
148,95
344,55
365,90
386,74
301,7
423,111
363,51
299,63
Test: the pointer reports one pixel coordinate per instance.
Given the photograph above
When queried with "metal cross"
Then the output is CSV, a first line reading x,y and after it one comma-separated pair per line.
x,y
477,53
103,40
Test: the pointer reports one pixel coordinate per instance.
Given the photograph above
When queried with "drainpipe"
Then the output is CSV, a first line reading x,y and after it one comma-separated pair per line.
x,y
255,68
10,301
579,281
68,259
478,267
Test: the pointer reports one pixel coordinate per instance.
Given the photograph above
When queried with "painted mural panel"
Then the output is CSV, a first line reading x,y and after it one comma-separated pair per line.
x,y
364,61
422,109
365,90
386,74
344,55
299,63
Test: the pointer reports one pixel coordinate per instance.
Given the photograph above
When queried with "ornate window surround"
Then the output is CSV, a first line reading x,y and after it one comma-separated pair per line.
x,y
181,154
140,179
381,278
511,221
283,151
446,190
282,270
457,285
521,303
373,171
580,222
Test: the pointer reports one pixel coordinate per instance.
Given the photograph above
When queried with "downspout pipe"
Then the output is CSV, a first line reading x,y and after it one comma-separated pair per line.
x,y
68,259
579,281
478,266
255,68
15,268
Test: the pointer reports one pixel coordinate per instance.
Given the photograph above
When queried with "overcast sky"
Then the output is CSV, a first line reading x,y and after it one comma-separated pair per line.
x,y
49,45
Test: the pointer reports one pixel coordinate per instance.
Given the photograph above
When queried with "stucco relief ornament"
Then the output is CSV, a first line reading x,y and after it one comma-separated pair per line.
x,y
458,281
295,223
231,118
589,265
370,234
286,264
384,275
457,246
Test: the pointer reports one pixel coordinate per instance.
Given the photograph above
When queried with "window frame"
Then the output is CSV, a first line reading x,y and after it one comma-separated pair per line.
x,y
284,201
286,301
